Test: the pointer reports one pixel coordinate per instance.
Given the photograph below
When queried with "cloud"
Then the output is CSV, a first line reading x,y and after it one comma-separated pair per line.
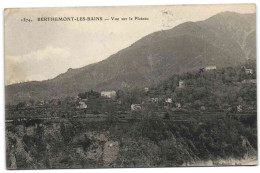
x,y
38,65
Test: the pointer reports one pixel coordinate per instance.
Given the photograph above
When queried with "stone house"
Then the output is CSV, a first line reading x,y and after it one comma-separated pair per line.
x,y
136,107
249,71
108,94
208,68
181,84
168,100
82,105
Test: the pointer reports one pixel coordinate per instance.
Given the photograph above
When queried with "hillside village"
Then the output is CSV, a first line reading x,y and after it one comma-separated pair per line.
x,y
186,92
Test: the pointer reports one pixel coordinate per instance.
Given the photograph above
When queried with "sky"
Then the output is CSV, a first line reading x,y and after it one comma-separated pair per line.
x,y
36,51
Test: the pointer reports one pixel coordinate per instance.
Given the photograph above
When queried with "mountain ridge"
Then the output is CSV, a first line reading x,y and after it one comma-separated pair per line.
x,y
225,39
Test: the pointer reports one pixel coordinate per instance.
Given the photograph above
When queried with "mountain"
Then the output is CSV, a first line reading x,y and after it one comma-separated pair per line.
x,y
226,39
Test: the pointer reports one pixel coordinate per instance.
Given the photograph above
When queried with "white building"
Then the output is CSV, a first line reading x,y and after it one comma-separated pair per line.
x,y
239,108
208,68
168,100
249,81
181,84
178,105
135,107
82,105
146,89
155,100
249,71
108,94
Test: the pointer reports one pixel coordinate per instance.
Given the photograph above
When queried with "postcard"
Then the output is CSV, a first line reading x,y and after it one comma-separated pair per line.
x,y
130,86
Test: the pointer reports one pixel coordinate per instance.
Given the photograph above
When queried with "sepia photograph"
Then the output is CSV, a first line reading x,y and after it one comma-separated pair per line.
x,y
130,86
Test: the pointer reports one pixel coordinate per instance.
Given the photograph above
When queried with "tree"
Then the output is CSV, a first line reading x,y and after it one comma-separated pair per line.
x,y
21,105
